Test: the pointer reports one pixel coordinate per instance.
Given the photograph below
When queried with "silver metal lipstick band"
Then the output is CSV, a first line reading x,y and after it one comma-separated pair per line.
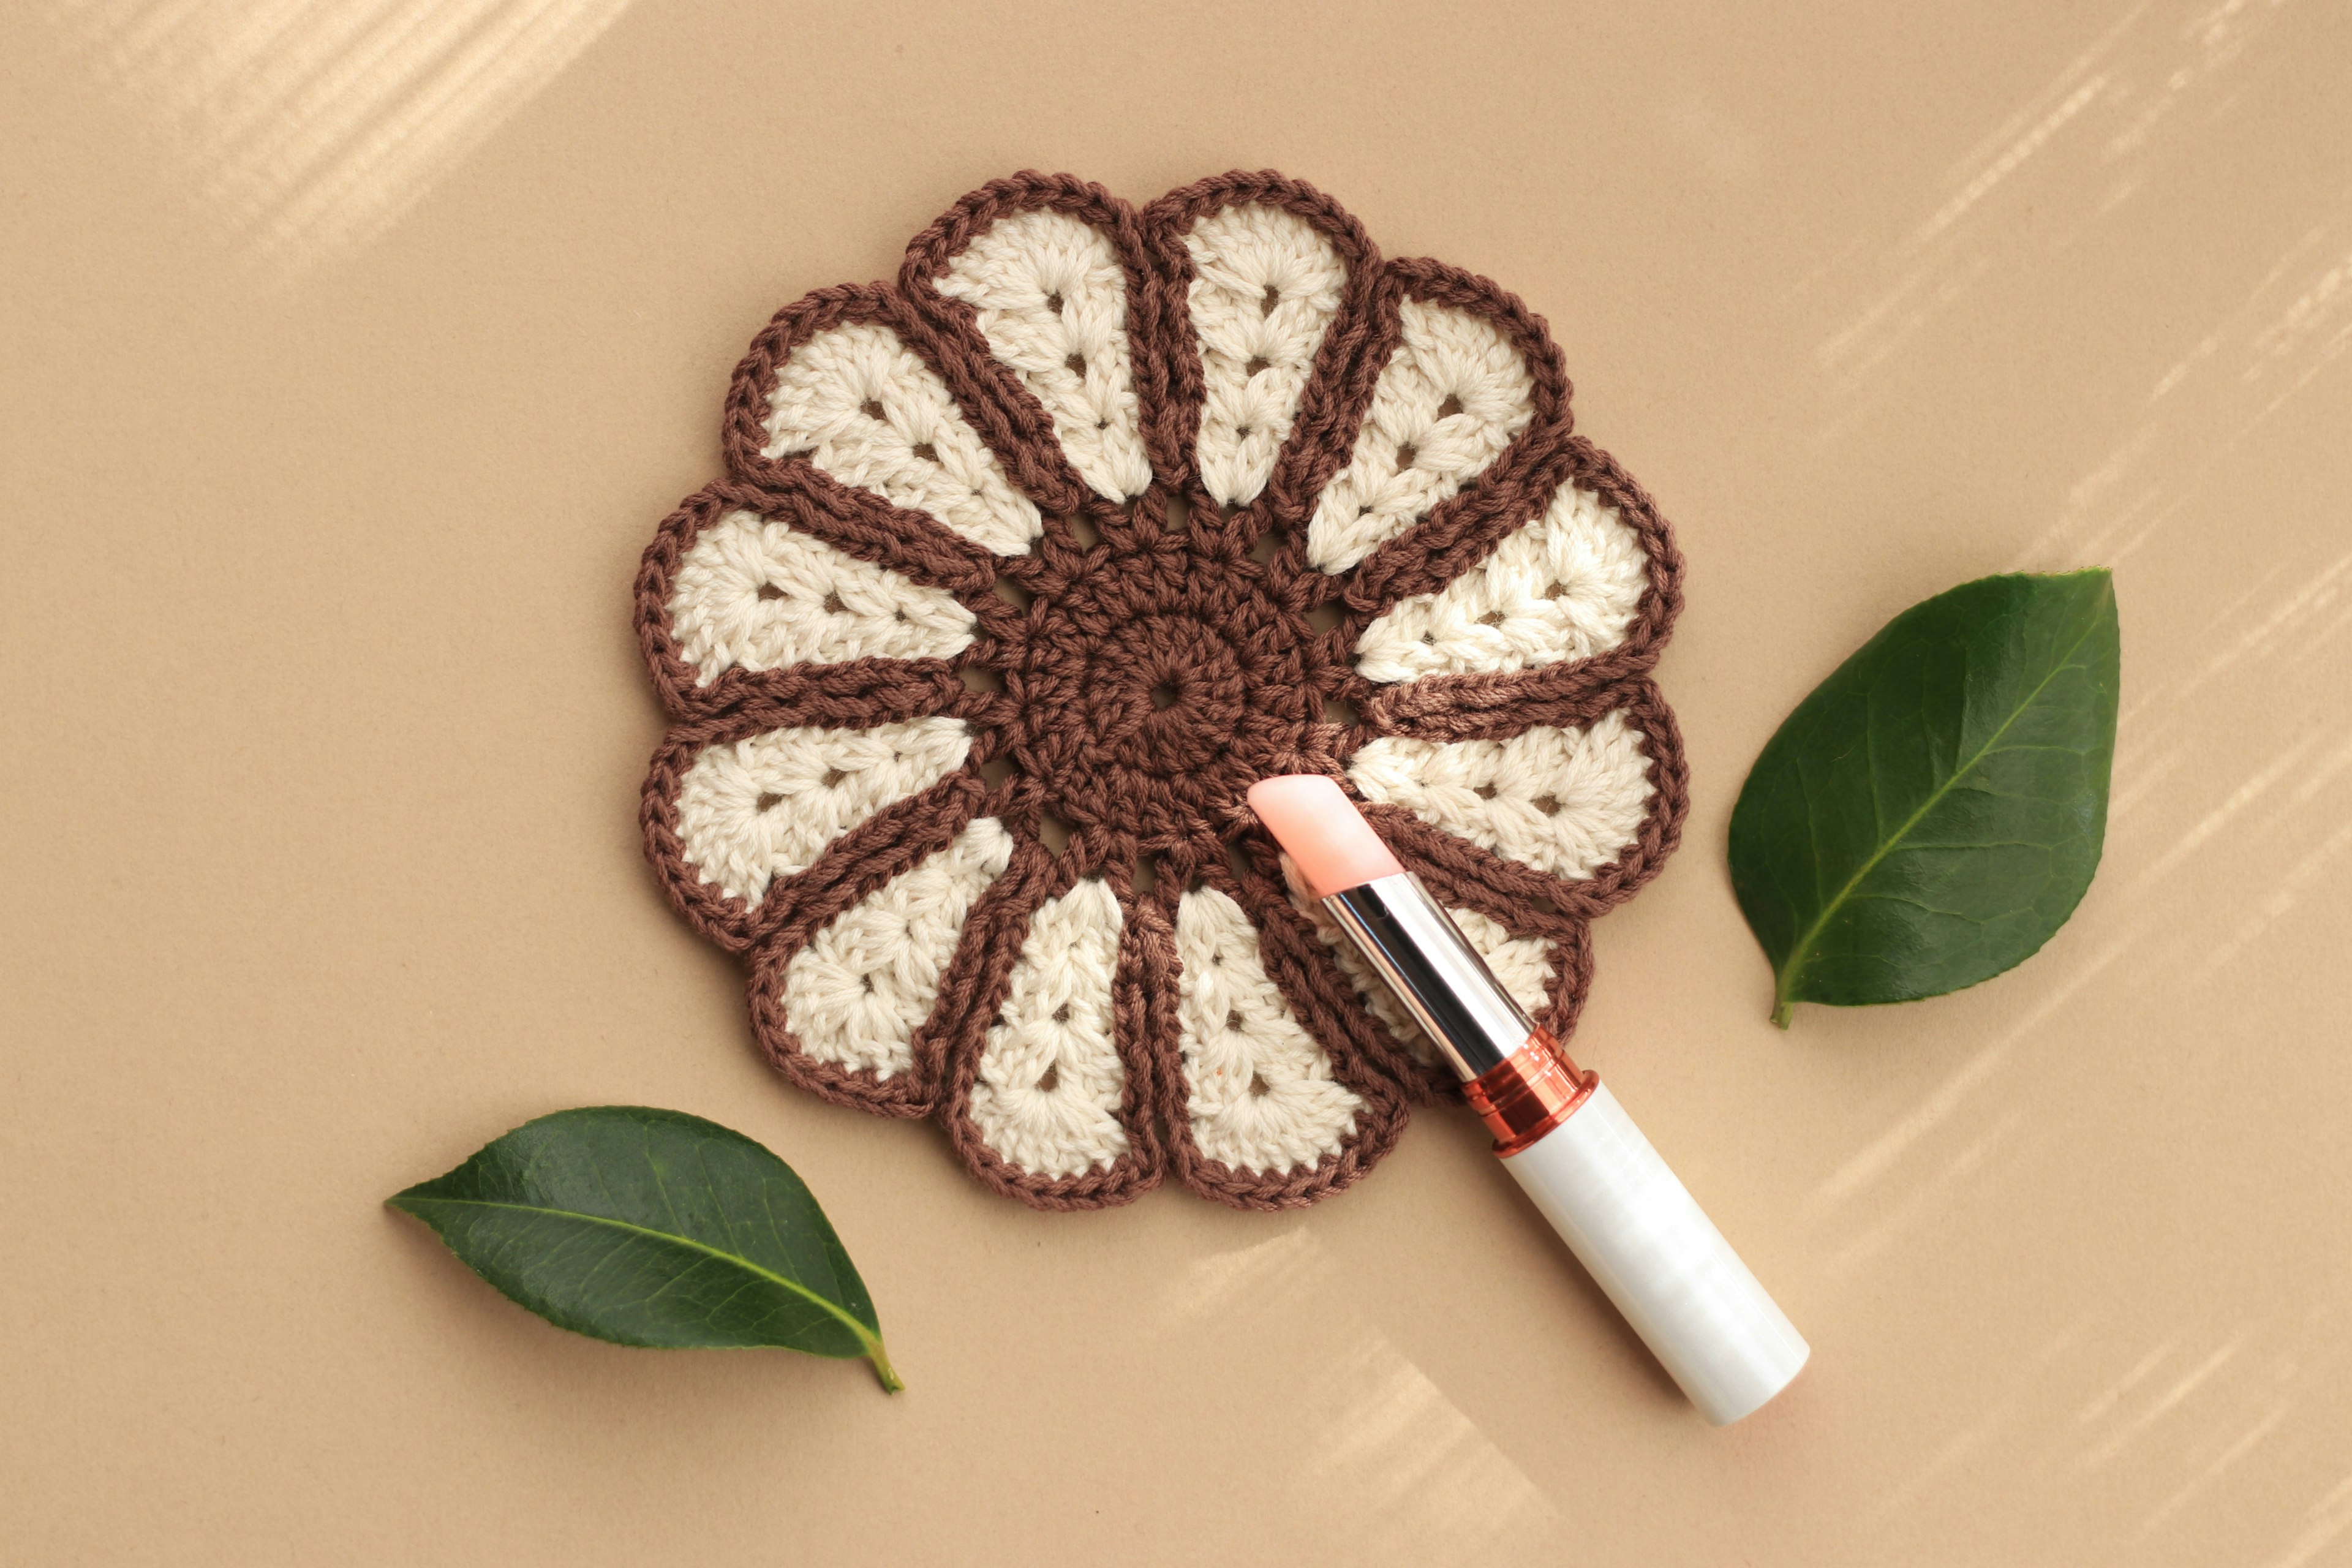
x,y
1422,955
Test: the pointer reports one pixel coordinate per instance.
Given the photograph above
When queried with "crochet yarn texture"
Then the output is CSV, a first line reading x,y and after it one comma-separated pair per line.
x,y
1027,564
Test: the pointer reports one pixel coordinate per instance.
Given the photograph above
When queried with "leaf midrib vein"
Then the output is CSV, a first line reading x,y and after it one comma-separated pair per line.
x,y
1798,955
865,1336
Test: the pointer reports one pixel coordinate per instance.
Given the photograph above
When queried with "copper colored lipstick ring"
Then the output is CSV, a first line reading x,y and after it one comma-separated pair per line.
x,y
1527,1094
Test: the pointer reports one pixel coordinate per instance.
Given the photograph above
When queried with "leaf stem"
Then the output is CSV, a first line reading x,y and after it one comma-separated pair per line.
x,y
883,1370
1783,1009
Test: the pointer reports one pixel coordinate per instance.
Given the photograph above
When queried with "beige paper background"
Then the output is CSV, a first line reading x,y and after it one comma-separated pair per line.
x,y
352,354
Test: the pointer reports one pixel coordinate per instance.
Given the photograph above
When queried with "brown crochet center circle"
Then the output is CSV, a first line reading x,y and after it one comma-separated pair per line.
x,y
1130,671
1153,687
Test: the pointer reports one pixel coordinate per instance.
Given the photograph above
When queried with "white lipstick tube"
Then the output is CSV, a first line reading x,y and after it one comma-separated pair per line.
x,y
1558,1131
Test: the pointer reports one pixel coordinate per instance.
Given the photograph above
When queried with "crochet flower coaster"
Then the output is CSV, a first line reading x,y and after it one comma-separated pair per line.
x,y
1028,564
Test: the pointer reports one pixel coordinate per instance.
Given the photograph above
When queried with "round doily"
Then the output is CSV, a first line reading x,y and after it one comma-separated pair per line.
x,y
1027,564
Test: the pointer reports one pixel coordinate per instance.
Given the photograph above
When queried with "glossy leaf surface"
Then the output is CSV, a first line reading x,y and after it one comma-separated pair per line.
x,y
1934,810
654,1228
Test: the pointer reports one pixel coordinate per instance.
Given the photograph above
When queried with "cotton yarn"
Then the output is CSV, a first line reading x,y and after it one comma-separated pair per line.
x,y
1030,562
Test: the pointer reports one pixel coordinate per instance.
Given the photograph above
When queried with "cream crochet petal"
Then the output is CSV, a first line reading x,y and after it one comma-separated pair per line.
x,y
1453,393
1564,800
1051,299
1565,587
1050,1082
752,810
1261,1094
754,594
860,405
1266,286
856,993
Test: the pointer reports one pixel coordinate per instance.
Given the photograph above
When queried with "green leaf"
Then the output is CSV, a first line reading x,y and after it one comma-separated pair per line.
x,y
1934,811
654,1228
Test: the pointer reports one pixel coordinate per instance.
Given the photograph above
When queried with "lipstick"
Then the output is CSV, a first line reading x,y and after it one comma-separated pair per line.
x,y
1559,1131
